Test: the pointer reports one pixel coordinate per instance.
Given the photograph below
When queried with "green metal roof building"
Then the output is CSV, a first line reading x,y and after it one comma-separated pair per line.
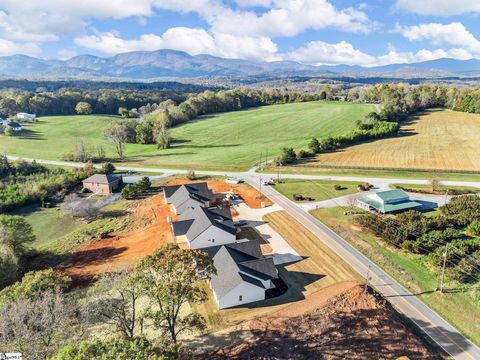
x,y
386,202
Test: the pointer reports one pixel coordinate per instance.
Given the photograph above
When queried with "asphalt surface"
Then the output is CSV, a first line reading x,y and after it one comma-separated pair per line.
x,y
438,329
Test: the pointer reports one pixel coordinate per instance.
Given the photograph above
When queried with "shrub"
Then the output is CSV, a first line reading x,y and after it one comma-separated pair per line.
x,y
474,228
287,156
108,168
303,154
314,146
338,187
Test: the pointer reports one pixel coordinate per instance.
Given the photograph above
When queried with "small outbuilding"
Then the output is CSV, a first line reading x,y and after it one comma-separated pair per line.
x,y
102,183
26,116
385,202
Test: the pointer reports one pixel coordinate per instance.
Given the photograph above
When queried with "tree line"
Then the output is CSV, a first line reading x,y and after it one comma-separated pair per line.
x,y
458,225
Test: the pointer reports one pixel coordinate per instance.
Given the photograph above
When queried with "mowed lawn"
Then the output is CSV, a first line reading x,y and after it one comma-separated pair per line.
x,y
317,189
437,139
228,141
321,268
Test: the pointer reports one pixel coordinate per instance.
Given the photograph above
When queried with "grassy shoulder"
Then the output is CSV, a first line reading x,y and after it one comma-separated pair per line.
x,y
320,268
227,141
374,173
457,306
316,189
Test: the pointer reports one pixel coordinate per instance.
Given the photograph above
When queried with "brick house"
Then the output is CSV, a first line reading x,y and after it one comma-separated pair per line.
x,y
102,184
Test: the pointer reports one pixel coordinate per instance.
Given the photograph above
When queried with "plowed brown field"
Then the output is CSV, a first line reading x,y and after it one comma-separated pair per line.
x,y
437,139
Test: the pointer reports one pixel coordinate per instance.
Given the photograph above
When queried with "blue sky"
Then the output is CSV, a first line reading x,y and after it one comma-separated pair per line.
x,y
365,33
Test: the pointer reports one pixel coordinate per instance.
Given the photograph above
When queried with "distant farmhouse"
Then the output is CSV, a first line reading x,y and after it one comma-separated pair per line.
x,y
201,227
385,202
102,184
243,276
25,116
183,197
4,123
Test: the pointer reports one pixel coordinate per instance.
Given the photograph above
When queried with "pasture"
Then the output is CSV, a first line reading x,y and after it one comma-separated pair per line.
x,y
436,139
227,141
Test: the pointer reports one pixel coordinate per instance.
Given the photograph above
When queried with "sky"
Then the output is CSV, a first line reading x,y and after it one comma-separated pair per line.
x,y
369,33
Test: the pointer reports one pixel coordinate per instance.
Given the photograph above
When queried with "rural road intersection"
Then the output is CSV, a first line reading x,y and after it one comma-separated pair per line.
x,y
438,329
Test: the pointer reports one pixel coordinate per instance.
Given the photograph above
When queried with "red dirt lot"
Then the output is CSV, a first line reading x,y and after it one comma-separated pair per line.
x,y
124,250
247,193
355,324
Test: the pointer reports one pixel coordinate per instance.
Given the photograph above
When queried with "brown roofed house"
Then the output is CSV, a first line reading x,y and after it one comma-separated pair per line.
x,y
102,183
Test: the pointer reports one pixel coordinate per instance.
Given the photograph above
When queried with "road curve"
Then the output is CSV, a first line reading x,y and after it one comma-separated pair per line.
x,y
439,330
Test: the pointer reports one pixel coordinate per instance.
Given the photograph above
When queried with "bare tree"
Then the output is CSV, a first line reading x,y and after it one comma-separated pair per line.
x,y
80,207
37,327
117,133
435,184
114,300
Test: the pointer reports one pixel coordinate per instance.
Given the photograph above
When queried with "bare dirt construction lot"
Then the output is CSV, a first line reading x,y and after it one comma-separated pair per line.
x,y
436,139
355,324
247,193
124,250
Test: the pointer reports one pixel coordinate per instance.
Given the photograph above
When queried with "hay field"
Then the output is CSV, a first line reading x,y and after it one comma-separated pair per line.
x,y
437,139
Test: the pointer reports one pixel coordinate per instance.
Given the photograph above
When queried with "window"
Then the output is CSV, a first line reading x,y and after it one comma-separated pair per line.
x,y
213,240
240,298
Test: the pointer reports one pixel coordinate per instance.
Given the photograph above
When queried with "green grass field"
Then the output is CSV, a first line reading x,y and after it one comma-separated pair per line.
x,y
456,306
316,189
375,173
227,141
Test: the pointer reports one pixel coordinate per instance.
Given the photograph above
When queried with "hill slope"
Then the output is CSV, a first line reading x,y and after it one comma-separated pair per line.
x,y
171,63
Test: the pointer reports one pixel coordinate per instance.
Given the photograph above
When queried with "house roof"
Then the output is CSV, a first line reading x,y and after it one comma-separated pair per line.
x,y
196,220
6,122
236,264
200,190
392,195
392,207
102,179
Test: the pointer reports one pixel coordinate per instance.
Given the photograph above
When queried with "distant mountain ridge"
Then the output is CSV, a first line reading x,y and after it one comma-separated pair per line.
x,y
149,65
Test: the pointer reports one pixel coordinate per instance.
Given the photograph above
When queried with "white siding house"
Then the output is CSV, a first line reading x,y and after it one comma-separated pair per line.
x,y
26,116
243,273
203,227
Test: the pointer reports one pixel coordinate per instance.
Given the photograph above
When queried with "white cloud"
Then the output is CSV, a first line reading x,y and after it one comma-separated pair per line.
x,y
454,34
290,18
322,53
8,47
439,7
192,41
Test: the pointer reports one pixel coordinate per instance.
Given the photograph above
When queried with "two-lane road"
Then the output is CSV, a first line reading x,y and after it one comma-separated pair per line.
x,y
439,330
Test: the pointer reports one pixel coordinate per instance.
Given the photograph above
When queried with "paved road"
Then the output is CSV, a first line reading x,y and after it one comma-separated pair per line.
x,y
381,183
445,335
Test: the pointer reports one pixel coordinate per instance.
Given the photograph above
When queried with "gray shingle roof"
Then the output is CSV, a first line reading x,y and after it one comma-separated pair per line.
x,y
178,194
235,263
201,219
102,179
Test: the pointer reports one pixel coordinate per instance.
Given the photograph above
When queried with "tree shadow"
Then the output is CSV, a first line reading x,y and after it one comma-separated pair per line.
x,y
31,135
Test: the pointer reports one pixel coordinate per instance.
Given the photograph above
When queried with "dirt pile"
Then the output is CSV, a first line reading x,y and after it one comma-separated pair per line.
x,y
353,325
125,249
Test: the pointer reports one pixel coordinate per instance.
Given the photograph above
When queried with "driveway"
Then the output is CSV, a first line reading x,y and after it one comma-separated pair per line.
x,y
282,252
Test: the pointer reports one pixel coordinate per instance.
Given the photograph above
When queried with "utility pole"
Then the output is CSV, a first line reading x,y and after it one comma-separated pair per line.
x,y
442,281
260,163
260,186
367,279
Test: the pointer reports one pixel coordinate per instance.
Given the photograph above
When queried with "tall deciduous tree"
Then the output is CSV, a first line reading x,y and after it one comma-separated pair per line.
x,y
83,108
117,133
171,278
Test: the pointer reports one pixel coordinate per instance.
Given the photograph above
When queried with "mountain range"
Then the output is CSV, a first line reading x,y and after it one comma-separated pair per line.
x,y
161,64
